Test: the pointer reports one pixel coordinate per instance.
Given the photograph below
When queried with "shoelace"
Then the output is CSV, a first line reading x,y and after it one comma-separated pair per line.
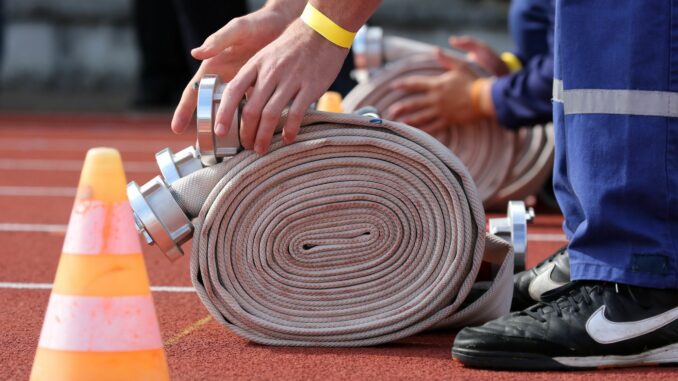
x,y
571,300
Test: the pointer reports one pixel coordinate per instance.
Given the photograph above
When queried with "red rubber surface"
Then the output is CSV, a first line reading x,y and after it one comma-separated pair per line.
x,y
197,349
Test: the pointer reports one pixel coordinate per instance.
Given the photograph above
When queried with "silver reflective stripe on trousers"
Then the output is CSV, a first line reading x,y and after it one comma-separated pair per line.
x,y
626,102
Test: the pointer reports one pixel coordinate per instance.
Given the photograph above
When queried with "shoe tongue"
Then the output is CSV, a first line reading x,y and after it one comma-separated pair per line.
x,y
565,295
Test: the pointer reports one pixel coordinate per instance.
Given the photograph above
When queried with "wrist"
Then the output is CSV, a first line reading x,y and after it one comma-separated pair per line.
x,y
482,104
325,26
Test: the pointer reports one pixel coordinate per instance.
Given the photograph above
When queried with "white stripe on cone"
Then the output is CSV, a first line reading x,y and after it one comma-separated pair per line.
x,y
87,234
100,324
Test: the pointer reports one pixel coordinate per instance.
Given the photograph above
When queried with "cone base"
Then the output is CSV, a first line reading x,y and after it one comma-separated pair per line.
x,y
52,364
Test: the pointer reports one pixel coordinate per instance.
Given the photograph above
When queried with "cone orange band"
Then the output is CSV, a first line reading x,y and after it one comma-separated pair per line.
x,y
101,275
80,366
102,177
80,323
99,227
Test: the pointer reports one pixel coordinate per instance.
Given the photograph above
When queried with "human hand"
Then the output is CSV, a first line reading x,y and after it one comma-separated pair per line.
x,y
480,53
439,101
293,70
226,51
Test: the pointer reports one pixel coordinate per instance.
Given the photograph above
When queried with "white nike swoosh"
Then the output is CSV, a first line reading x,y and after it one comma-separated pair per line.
x,y
605,331
543,283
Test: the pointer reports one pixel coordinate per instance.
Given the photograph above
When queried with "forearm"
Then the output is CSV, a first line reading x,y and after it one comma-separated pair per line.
x,y
524,98
290,9
349,14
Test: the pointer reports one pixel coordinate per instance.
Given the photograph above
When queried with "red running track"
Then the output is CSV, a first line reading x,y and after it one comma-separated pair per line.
x,y
40,158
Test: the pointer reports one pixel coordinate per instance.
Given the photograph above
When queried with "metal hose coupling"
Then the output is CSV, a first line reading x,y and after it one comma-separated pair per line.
x,y
159,217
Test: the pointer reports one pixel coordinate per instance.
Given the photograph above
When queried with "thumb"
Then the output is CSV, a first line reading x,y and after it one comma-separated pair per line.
x,y
465,43
228,35
448,61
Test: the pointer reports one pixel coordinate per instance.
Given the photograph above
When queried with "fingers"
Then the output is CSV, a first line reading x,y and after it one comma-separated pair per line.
x,y
420,118
449,62
228,35
233,94
184,111
407,106
271,115
413,84
295,114
465,43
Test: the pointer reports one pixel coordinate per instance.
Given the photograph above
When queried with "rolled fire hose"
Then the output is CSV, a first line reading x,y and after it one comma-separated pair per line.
x,y
361,232
523,168
485,148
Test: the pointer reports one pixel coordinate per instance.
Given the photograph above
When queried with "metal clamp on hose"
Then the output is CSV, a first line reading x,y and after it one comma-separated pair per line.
x,y
175,166
213,148
513,228
158,216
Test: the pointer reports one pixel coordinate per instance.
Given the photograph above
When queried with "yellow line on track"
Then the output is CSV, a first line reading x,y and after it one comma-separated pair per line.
x,y
187,331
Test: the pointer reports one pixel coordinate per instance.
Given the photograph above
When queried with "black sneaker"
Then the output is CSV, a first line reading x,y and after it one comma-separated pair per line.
x,y
529,285
583,325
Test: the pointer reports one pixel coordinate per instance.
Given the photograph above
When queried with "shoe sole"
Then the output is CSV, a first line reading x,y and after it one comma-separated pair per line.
x,y
667,355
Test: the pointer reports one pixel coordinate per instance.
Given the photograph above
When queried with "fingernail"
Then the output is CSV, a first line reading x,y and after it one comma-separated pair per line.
x,y
220,129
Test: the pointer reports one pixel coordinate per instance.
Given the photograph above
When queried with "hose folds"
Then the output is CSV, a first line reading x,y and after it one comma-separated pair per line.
x,y
362,232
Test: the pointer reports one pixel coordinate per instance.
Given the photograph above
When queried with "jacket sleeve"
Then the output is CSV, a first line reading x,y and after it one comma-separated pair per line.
x,y
523,98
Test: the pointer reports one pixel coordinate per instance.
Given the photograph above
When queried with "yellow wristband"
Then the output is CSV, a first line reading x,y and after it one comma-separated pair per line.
x,y
512,62
322,24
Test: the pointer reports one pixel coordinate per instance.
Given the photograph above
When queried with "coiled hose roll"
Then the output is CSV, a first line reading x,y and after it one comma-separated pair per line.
x,y
361,232
505,164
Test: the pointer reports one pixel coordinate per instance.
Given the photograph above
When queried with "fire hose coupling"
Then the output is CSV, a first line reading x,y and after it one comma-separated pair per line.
x,y
158,215
513,228
214,148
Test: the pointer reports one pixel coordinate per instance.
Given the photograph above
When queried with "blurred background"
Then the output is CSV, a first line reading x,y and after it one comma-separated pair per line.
x,y
105,55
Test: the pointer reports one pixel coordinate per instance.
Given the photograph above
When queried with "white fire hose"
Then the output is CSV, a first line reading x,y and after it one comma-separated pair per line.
x,y
506,165
361,232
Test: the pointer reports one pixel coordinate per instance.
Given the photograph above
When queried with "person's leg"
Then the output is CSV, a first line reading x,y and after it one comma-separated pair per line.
x,y
621,164
617,176
163,72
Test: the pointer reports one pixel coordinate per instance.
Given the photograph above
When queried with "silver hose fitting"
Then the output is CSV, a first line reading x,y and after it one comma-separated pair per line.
x,y
158,217
157,214
212,147
175,166
513,228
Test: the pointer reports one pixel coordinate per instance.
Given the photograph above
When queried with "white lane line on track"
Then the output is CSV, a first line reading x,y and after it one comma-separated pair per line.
x,y
545,237
48,286
81,145
53,228
37,191
67,165
33,228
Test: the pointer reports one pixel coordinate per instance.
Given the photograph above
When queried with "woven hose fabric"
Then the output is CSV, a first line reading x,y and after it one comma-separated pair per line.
x,y
505,164
361,232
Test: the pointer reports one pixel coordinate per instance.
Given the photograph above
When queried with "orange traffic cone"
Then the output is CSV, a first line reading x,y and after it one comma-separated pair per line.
x,y
330,102
100,322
